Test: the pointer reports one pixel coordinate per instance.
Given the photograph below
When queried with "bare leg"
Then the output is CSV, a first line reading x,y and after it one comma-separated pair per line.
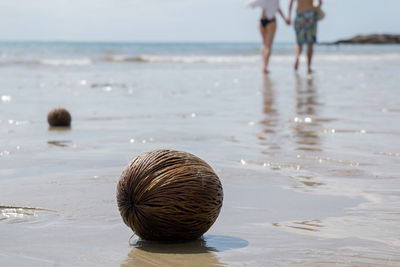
x,y
298,50
263,33
264,58
309,56
269,38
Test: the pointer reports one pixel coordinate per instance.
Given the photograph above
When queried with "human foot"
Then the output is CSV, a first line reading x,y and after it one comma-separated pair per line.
x,y
296,65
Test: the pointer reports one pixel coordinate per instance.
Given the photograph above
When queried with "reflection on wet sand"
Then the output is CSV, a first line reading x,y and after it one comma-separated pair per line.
x,y
270,120
59,143
201,252
307,126
312,184
312,225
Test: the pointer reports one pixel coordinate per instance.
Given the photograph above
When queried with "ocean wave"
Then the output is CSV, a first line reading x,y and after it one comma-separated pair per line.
x,y
206,59
349,58
359,57
65,62
17,62
183,59
248,58
48,62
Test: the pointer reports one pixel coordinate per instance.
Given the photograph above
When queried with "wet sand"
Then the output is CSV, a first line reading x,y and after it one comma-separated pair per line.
x,y
309,165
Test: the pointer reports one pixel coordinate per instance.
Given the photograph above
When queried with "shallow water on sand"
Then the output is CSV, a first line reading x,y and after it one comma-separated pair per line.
x,y
309,164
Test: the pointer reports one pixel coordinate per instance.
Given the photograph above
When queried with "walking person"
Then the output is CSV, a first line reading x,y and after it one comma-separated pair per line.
x,y
268,26
305,26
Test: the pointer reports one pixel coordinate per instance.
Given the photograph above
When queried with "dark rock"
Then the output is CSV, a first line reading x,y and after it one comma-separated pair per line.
x,y
371,39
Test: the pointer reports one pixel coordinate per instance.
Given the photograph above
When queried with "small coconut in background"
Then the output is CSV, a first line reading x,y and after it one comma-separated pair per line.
x,y
168,195
59,117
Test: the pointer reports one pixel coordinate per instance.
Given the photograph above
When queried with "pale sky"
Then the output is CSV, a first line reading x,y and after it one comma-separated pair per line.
x,y
179,20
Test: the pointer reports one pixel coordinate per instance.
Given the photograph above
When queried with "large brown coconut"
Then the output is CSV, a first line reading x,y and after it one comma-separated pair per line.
x,y
167,195
59,117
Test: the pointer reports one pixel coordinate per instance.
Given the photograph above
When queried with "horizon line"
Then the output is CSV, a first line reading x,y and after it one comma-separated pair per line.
x,y
141,41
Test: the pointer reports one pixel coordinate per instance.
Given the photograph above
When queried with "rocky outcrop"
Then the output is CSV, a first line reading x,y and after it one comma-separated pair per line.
x,y
372,39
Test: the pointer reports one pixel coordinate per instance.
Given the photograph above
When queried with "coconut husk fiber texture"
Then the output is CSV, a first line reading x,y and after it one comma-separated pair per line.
x,y
59,117
168,195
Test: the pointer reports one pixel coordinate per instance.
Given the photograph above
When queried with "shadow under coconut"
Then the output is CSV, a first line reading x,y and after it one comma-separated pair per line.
x,y
205,244
200,252
59,128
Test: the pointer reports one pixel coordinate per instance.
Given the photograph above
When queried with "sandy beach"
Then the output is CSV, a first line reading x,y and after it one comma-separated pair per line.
x,y
309,164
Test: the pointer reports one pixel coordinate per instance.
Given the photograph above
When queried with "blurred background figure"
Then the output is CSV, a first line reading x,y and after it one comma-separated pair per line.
x,y
268,26
305,26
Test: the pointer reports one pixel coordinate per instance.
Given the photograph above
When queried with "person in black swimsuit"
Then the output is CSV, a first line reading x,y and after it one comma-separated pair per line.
x,y
265,21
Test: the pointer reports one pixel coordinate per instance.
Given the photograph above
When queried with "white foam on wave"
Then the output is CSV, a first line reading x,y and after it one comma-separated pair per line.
x,y
341,58
65,62
184,59
210,59
250,58
360,57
